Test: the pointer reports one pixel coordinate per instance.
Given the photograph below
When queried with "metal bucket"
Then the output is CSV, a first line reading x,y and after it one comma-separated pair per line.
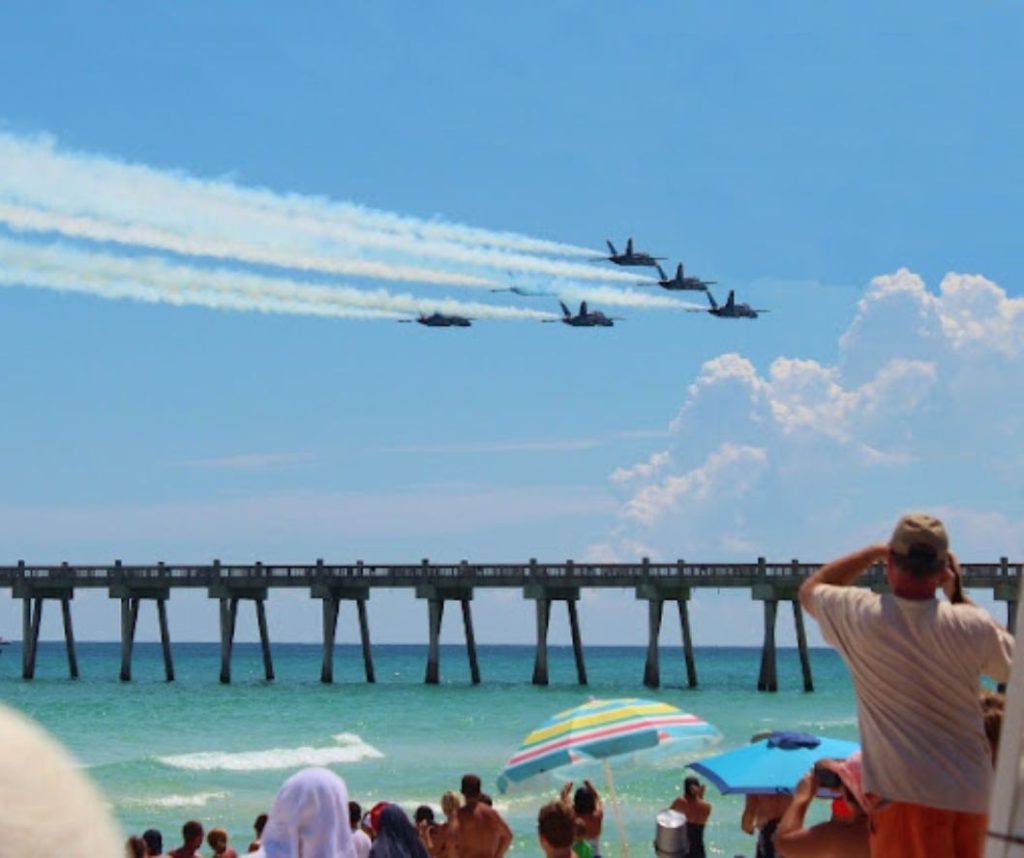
x,y
670,839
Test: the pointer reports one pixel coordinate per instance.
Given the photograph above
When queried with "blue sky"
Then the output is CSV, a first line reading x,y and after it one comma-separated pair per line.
x,y
793,152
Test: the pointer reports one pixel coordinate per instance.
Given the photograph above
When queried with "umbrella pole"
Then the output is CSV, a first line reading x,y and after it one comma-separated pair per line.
x,y
615,808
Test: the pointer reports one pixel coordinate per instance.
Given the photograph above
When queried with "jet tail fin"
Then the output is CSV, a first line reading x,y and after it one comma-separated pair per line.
x,y
711,299
611,247
565,310
679,271
629,247
661,272
583,308
731,301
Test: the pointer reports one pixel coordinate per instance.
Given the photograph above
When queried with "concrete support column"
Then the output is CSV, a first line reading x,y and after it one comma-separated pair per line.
x,y
129,619
27,662
652,677
228,614
330,616
768,679
69,637
801,642
261,621
684,623
364,635
165,639
577,642
540,662
435,614
1011,616
467,623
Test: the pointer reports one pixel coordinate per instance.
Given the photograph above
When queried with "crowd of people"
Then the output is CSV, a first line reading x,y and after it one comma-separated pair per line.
x,y
312,816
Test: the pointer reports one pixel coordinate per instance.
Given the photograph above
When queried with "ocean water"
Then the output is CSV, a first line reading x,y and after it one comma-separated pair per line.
x,y
167,752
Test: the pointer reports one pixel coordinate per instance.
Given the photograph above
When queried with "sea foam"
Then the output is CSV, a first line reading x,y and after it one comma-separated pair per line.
x,y
348,748
200,799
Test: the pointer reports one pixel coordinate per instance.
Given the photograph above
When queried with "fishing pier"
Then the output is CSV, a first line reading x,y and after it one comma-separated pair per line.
x,y
545,584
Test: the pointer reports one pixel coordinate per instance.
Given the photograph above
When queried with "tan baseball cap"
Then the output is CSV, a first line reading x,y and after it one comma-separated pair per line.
x,y
920,532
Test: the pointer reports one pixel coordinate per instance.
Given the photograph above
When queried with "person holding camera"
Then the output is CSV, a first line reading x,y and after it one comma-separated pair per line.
x,y
840,837
916,664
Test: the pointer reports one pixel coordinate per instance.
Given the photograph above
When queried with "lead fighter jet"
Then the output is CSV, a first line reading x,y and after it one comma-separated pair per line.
x,y
630,257
584,318
439,320
730,309
681,281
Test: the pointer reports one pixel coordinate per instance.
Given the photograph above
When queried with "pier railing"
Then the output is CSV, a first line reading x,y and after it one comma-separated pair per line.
x,y
543,583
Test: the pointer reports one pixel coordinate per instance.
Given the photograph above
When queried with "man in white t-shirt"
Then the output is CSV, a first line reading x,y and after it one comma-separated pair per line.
x,y
916,664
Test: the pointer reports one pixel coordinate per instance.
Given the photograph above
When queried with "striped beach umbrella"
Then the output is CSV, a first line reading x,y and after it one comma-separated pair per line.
x,y
604,730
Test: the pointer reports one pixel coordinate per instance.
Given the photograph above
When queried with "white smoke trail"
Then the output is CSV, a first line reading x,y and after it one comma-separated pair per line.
x,y
56,266
35,173
569,291
30,220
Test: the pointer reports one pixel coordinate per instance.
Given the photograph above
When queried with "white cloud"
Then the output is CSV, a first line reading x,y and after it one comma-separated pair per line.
x,y
920,409
251,461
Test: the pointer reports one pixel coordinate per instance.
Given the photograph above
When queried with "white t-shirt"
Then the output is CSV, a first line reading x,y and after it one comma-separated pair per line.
x,y
916,667
362,843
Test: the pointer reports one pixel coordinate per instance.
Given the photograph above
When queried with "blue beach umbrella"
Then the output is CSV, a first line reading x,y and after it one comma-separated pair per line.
x,y
772,765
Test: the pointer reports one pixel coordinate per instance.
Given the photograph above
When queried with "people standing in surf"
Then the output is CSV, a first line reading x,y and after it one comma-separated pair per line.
x,y
587,806
916,664
217,840
696,809
480,830
761,815
192,841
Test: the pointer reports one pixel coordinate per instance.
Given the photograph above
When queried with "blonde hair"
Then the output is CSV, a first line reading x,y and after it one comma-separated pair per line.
x,y
450,802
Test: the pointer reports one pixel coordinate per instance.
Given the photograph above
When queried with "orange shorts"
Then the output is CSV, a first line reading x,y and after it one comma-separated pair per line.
x,y
903,830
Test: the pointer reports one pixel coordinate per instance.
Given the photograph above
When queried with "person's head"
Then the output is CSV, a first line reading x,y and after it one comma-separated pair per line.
x,y
471,787
396,836
154,841
584,801
918,554
424,815
556,828
450,803
192,834
260,824
49,803
355,813
217,840
309,817
691,787
135,847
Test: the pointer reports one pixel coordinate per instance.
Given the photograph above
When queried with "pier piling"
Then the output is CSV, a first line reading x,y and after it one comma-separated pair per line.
x,y
457,589
768,679
467,624
652,677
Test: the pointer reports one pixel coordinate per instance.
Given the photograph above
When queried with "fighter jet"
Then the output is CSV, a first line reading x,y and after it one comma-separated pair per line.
x,y
440,320
584,318
630,257
681,281
730,310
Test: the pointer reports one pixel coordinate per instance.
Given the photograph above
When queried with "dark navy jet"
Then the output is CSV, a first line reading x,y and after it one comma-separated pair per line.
x,y
440,320
584,318
730,309
631,257
681,282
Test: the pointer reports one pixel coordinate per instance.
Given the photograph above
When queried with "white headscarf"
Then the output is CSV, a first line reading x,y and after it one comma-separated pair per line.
x,y
309,818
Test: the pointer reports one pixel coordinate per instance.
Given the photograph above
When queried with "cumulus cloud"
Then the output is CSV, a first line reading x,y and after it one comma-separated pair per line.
x,y
921,408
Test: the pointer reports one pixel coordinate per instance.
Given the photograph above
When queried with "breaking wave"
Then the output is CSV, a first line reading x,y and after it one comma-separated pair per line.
x,y
348,748
200,799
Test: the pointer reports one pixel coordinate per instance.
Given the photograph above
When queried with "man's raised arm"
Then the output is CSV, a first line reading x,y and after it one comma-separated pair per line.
x,y
842,572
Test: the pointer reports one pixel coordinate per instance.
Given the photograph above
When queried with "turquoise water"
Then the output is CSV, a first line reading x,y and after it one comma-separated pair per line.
x,y
164,753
